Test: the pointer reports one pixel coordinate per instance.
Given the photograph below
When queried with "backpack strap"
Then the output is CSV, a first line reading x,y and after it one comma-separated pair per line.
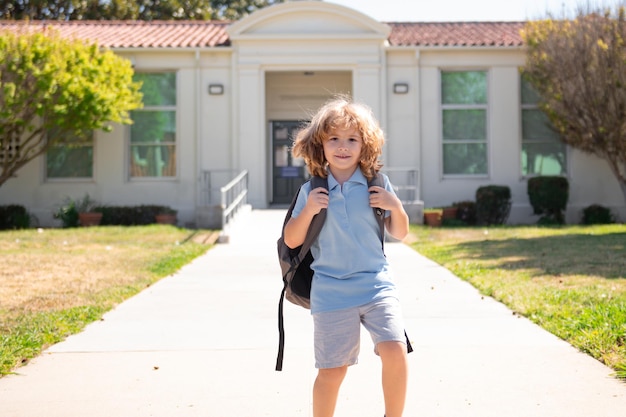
x,y
380,217
378,212
316,223
312,233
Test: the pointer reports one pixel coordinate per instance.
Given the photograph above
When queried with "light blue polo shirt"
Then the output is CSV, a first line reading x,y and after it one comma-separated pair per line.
x,y
350,268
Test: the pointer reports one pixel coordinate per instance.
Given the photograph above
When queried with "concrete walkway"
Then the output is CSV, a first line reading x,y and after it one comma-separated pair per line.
x,y
203,343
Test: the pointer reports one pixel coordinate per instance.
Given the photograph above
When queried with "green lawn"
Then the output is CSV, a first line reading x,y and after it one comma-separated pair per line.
x,y
569,280
53,282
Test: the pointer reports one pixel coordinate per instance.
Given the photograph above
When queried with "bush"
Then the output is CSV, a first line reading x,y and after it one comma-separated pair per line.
x,y
493,204
597,214
548,195
111,215
14,216
466,212
130,215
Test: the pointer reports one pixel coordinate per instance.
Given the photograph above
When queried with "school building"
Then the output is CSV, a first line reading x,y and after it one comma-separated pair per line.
x,y
222,98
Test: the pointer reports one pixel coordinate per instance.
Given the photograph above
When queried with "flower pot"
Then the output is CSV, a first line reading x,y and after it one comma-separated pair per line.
x,y
433,218
165,218
449,213
89,219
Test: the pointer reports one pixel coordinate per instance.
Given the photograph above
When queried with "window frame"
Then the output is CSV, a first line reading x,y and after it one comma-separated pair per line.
x,y
485,107
523,141
176,143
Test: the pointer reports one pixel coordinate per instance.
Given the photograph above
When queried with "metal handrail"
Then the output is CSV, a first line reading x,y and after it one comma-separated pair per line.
x,y
211,183
405,183
234,196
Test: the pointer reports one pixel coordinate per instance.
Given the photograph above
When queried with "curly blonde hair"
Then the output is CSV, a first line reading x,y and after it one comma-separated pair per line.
x,y
340,113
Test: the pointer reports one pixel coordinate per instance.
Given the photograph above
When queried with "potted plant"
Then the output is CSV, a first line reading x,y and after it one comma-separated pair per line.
x,y
73,213
166,215
88,215
433,217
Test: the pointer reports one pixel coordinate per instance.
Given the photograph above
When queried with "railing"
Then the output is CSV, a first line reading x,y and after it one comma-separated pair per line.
x,y
223,202
211,184
234,196
405,183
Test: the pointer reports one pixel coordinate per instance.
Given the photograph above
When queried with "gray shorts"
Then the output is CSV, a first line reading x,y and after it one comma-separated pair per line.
x,y
338,333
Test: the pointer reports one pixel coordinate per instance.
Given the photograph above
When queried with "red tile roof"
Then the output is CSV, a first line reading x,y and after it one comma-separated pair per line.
x,y
138,34
456,34
194,34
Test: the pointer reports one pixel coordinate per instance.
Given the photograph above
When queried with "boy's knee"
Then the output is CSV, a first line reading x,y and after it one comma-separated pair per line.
x,y
391,350
332,374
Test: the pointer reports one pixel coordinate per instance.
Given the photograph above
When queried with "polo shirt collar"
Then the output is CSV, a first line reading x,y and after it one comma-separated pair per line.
x,y
357,177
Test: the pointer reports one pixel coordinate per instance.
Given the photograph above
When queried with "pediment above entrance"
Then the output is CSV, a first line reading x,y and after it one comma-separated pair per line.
x,y
307,19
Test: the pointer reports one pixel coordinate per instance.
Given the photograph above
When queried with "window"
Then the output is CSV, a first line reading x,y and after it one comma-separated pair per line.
x,y
153,132
542,151
70,157
464,122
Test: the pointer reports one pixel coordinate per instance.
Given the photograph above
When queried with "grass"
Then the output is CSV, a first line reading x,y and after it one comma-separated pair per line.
x,y
53,282
569,280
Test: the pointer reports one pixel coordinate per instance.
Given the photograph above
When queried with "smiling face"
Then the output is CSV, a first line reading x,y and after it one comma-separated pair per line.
x,y
342,150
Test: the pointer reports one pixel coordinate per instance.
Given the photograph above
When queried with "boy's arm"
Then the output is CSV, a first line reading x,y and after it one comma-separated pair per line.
x,y
297,227
398,223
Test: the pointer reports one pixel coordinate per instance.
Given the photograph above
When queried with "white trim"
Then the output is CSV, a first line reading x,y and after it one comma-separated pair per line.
x,y
237,30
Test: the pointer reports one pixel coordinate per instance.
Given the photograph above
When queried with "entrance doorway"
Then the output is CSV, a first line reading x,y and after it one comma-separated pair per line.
x,y
290,98
288,173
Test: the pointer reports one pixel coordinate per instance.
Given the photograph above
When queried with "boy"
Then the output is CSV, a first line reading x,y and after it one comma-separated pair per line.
x,y
352,282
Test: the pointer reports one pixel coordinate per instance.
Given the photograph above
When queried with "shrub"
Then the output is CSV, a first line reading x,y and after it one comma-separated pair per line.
x,y
466,212
14,216
493,204
69,210
112,215
67,213
548,195
597,214
453,222
130,215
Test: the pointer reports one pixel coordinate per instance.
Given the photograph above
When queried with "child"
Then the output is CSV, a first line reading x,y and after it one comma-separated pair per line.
x,y
352,282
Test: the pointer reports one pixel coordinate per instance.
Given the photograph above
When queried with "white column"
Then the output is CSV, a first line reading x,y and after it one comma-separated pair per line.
x,y
251,149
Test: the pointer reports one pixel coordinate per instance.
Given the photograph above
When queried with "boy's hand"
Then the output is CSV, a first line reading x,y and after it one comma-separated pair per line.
x,y
383,199
398,223
296,228
317,200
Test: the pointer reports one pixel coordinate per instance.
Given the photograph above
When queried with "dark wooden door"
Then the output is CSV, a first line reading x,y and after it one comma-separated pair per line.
x,y
288,172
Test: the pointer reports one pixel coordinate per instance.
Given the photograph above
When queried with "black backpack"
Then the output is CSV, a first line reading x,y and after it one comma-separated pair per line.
x,y
296,263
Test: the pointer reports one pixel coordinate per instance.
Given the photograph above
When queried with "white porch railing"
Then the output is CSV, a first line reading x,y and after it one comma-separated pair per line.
x,y
221,203
405,183
234,196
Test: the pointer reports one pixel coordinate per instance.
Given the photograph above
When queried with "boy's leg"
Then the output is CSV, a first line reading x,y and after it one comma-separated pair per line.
x,y
383,319
337,343
326,390
394,376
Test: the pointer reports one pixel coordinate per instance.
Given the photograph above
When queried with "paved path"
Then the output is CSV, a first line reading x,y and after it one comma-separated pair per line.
x,y
203,343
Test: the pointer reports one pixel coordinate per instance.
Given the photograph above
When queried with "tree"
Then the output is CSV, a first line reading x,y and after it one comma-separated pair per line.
x,y
52,89
130,9
236,9
578,67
